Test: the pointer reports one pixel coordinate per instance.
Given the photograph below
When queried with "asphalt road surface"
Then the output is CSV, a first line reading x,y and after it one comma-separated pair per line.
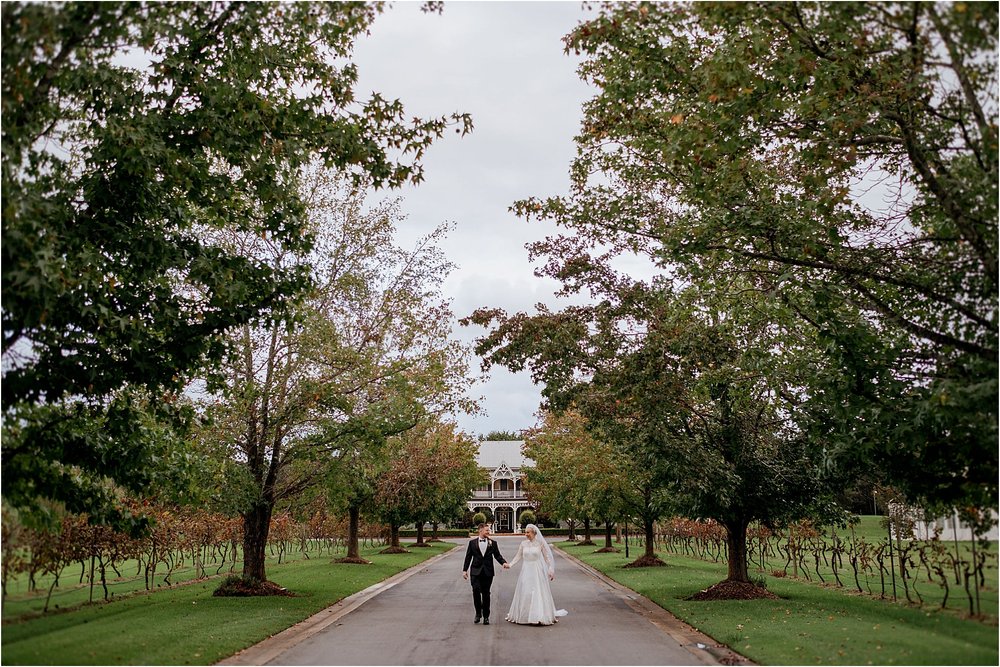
x,y
425,618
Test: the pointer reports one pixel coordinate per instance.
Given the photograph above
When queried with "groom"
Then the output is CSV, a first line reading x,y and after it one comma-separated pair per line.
x,y
481,552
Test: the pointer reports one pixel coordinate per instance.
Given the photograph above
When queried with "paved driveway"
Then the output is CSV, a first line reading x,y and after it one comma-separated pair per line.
x,y
424,617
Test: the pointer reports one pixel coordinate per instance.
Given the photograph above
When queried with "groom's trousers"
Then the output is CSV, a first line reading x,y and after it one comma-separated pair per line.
x,y
481,593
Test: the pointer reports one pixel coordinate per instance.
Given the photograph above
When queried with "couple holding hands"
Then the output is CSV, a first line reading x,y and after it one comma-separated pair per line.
x,y
532,602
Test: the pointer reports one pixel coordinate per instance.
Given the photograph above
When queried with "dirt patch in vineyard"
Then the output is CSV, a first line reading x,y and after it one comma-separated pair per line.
x,y
733,590
607,550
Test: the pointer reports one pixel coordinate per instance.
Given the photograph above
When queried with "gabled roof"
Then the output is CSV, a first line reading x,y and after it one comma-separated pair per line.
x,y
494,452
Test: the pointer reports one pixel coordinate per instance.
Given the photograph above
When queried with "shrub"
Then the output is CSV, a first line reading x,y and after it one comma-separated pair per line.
x,y
527,516
442,532
478,518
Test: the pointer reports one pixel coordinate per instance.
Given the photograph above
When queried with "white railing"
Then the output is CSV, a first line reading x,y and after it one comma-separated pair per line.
x,y
498,494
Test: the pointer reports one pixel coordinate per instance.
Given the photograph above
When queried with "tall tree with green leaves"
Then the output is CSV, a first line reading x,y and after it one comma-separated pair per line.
x,y
842,156
703,396
133,131
366,355
695,396
350,484
552,482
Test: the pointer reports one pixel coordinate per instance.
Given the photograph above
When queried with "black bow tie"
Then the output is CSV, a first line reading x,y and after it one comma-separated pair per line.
x,y
482,539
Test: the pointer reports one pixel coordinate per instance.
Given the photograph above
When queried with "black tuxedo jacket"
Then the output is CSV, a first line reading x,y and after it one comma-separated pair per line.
x,y
482,564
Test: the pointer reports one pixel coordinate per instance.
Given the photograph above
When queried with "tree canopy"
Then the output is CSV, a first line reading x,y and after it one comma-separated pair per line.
x,y
575,474
131,132
838,157
432,468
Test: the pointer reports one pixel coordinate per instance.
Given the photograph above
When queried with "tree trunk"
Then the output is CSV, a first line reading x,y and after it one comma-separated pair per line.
x,y
647,524
648,558
434,533
353,548
354,514
256,525
736,540
394,535
420,534
571,524
586,533
608,547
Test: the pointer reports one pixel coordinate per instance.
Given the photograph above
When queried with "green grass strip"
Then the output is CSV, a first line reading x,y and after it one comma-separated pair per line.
x,y
186,625
812,624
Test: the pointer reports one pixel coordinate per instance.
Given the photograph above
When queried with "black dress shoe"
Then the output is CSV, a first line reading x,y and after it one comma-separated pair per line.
x,y
486,621
478,618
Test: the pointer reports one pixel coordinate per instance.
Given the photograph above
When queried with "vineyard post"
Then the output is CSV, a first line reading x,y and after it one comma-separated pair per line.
x,y
975,568
958,556
892,563
793,550
92,577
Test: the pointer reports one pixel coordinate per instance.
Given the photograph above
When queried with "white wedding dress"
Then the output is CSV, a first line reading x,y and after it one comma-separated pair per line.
x,y
532,603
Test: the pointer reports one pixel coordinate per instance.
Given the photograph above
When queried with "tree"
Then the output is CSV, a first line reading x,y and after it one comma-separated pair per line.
x,y
133,131
364,357
705,388
575,474
350,485
493,436
551,482
694,396
432,469
736,140
456,472
643,487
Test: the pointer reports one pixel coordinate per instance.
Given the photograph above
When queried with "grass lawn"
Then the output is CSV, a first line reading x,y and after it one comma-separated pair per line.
x,y
186,625
811,624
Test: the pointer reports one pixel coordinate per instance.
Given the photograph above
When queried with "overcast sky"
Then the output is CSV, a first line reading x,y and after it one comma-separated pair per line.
x,y
503,63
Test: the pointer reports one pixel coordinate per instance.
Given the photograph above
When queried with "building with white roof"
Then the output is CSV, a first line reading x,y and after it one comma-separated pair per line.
x,y
504,495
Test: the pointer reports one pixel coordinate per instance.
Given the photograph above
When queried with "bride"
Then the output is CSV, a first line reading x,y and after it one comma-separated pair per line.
x,y
532,603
